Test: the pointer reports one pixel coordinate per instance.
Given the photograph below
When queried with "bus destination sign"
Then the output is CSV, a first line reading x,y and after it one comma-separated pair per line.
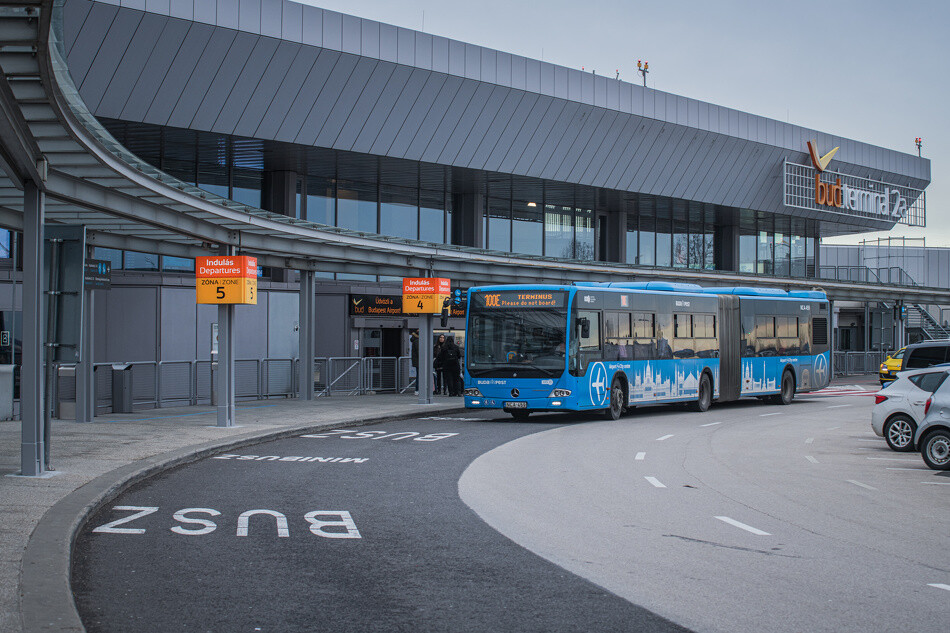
x,y
507,299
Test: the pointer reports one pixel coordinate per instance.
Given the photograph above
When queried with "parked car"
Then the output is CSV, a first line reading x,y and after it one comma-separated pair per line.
x,y
899,406
932,438
926,354
890,366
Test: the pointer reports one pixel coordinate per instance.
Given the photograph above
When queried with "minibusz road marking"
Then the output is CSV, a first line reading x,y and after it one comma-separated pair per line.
x,y
334,524
293,458
380,435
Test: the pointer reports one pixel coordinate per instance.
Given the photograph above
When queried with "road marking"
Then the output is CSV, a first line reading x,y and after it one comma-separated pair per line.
x,y
711,424
811,459
864,439
743,526
838,406
858,483
640,456
894,459
809,440
936,483
656,482
898,468
833,428
765,415
665,437
939,586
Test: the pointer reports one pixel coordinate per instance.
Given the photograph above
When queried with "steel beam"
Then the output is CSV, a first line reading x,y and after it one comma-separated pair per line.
x,y
306,332
32,452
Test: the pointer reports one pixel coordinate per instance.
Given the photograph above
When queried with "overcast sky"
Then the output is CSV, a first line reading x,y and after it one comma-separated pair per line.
x,y
871,71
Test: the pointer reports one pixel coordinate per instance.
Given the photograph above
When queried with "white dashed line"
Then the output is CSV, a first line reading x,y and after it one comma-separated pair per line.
x,y
640,456
864,439
858,483
765,415
809,440
893,459
711,424
936,483
743,526
833,428
939,586
838,406
656,482
665,437
811,459
898,468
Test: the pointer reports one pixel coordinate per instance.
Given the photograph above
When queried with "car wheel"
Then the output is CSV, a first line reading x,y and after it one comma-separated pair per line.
x,y
704,398
899,433
935,449
614,411
520,414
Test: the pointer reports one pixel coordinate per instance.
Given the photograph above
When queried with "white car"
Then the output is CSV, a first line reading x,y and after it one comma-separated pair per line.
x,y
899,407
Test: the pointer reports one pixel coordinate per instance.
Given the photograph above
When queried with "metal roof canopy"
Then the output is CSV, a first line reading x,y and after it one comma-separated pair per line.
x,y
127,204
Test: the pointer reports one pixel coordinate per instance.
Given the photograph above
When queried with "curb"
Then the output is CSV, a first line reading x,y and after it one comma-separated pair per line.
x,y
45,592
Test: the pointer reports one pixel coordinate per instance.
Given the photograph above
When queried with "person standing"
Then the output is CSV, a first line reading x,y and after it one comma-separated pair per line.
x,y
451,370
437,365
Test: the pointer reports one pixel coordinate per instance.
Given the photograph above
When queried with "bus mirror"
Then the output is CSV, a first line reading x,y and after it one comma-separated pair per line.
x,y
585,327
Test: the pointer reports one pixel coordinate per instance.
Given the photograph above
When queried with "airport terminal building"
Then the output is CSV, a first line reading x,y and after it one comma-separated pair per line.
x,y
353,153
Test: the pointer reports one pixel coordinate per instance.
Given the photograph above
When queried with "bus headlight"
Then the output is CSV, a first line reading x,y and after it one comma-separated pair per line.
x,y
473,391
560,393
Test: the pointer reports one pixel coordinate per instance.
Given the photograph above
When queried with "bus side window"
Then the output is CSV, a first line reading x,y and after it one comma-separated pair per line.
x,y
587,322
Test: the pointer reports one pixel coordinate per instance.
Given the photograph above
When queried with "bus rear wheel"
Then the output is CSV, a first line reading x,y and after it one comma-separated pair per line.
x,y
787,393
615,410
704,398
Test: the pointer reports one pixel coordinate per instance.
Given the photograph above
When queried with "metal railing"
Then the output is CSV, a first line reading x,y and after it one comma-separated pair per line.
x,y
158,384
856,363
893,275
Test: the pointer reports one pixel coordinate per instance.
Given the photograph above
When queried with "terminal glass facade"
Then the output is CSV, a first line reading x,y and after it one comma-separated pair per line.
x,y
514,214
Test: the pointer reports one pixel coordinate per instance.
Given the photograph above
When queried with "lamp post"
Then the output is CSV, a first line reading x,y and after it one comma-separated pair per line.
x,y
643,68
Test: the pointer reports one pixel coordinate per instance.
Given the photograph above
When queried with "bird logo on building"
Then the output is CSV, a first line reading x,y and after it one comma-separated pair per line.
x,y
820,162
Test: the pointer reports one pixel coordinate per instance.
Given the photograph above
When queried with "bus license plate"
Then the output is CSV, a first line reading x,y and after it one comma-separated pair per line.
x,y
516,405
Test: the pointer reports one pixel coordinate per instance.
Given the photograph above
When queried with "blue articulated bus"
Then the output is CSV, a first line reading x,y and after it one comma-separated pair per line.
x,y
612,346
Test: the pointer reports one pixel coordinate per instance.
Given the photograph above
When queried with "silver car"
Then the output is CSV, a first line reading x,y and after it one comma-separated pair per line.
x,y
932,438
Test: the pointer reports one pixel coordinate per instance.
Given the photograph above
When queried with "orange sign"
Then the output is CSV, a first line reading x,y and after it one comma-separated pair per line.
x,y
425,295
226,279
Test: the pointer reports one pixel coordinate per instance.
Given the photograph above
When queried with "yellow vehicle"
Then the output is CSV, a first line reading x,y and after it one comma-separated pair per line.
x,y
891,365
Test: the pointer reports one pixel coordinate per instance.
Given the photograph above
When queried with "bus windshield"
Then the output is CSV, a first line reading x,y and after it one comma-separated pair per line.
x,y
527,342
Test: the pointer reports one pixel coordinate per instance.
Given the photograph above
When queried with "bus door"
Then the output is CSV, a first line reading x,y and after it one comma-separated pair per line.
x,y
730,364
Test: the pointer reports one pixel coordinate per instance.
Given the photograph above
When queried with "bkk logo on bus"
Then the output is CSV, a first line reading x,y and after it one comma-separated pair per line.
x,y
889,204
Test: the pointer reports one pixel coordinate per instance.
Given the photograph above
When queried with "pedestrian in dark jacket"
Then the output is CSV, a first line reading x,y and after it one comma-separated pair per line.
x,y
451,369
437,365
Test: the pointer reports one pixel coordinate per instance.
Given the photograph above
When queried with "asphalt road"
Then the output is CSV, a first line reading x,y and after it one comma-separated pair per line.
x,y
747,518
750,517
391,548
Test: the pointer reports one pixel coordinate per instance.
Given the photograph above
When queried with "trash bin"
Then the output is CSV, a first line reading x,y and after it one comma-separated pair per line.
x,y
6,392
122,388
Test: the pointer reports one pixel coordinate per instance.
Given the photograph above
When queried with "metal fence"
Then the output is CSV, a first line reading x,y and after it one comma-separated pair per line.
x,y
179,383
856,363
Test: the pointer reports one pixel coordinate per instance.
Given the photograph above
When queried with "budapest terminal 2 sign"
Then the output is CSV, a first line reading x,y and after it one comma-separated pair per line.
x,y
814,188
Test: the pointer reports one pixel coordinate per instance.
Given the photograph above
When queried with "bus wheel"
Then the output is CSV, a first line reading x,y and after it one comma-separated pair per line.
x,y
704,399
615,409
520,414
788,389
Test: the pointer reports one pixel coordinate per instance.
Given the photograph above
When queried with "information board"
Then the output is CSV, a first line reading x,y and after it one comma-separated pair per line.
x,y
425,295
226,279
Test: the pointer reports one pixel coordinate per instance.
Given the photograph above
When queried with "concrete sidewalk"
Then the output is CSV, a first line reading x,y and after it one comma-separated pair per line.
x,y
95,462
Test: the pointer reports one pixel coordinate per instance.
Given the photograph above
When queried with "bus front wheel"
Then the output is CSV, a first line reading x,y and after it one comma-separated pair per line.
x,y
704,398
615,410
